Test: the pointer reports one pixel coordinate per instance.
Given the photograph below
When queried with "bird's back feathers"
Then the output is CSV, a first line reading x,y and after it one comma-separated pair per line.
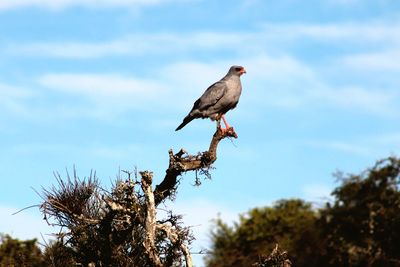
x,y
211,96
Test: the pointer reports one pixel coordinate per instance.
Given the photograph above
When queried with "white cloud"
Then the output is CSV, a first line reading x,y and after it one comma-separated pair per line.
x,y
128,45
288,83
388,60
278,82
60,4
383,34
104,95
135,45
70,49
71,95
378,102
267,67
108,93
379,32
24,225
368,146
100,85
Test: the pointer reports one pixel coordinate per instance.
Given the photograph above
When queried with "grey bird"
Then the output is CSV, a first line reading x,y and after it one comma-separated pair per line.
x,y
218,99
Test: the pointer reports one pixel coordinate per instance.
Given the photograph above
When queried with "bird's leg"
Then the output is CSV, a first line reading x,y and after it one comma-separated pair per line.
x,y
225,122
228,129
219,127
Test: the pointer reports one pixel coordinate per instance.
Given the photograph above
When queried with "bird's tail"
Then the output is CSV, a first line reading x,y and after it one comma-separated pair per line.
x,y
186,120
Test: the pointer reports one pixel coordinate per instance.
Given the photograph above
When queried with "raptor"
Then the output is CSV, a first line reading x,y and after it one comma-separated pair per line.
x,y
218,99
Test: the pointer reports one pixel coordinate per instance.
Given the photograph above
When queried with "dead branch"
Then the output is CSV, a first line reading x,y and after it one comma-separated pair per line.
x,y
150,224
183,162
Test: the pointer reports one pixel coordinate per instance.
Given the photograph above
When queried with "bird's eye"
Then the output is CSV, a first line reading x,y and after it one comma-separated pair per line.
x,y
238,69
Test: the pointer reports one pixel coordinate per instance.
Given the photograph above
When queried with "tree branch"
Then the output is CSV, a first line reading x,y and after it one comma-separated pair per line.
x,y
183,162
150,224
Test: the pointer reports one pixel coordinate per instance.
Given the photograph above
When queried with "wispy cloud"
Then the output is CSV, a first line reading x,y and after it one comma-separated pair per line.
x,y
13,98
380,31
134,45
368,145
288,83
387,60
383,34
278,82
61,4
98,151
372,101
71,49
129,45
100,85
109,90
282,82
105,95
102,95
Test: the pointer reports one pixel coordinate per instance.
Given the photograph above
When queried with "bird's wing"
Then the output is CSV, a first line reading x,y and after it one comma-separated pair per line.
x,y
212,95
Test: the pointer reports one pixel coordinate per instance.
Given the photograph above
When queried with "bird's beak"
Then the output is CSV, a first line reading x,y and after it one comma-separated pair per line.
x,y
242,71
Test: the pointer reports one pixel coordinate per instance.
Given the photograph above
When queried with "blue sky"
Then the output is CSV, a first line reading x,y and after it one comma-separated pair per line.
x,y
103,84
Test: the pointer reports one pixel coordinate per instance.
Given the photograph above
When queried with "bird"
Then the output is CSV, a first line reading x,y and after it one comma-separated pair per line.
x,y
218,99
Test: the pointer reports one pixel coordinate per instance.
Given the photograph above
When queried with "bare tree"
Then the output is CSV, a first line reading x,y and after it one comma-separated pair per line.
x,y
120,227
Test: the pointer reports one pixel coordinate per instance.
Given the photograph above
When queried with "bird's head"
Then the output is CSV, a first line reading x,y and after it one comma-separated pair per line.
x,y
237,70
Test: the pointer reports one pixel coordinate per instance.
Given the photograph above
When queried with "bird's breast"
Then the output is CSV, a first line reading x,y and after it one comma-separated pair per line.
x,y
234,90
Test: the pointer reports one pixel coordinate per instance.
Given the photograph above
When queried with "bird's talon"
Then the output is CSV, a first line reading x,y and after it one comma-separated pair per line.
x,y
227,131
231,132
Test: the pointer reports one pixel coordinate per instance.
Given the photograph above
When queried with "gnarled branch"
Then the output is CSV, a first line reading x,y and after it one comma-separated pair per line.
x,y
183,162
150,223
